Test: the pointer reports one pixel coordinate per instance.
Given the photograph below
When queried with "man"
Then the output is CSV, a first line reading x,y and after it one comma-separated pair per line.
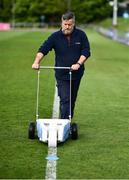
x,y
72,49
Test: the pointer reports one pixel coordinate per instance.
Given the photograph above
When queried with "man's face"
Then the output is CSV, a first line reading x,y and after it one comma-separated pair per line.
x,y
67,26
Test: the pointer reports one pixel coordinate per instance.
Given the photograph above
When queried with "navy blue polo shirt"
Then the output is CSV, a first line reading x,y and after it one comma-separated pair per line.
x,y
67,51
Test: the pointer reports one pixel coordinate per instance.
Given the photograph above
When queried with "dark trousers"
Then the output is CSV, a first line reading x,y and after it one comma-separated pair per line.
x,y
64,94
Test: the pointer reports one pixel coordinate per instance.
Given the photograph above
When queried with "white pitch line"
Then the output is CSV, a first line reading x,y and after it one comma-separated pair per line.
x,y
52,151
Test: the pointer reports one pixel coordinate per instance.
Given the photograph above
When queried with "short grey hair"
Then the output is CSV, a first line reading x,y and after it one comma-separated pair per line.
x,y
68,15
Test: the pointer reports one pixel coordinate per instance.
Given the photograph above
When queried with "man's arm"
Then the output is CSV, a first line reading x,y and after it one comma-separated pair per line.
x,y
43,51
85,52
81,61
37,60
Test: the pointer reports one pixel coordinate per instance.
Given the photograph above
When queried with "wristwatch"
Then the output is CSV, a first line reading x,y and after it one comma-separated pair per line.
x,y
79,63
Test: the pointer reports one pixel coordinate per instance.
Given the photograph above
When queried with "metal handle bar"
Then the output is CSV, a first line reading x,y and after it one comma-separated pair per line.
x,y
53,67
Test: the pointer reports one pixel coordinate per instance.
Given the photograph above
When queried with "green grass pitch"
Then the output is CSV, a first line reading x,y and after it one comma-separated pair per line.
x,y
102,111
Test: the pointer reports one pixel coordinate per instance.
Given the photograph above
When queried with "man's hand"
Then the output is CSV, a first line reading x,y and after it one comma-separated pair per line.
x,y
75,67
37,60
35,66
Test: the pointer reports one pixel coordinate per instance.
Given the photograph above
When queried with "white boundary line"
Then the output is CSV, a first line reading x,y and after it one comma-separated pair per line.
x,y
52,151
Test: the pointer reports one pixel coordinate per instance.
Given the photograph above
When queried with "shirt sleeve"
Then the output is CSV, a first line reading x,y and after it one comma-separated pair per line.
x,y
47,45
85,49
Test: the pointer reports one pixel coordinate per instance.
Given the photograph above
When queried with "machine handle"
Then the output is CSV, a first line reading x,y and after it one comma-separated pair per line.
x,y
53,67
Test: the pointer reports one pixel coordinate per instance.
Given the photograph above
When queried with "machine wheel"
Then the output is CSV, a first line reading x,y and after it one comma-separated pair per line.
x,y
74,131
31,130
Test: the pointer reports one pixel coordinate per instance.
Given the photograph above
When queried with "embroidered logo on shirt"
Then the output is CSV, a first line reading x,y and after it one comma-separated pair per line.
x,y
77,43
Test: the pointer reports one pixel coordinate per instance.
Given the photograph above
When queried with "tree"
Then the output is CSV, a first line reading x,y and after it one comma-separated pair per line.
x,y
91,10
29,10
5,10
33,11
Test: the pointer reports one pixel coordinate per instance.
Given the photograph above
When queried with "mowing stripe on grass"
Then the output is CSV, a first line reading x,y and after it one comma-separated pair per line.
x,y
52,151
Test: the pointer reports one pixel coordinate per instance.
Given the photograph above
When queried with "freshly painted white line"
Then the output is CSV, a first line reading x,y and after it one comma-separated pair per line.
x,y
51,164
52,151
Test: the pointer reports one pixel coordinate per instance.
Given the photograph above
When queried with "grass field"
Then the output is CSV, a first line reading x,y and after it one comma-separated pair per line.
x,y
102,111
122,24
